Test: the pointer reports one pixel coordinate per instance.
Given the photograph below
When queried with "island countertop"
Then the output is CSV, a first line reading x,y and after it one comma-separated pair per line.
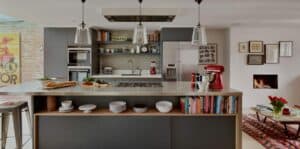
x,y
178,88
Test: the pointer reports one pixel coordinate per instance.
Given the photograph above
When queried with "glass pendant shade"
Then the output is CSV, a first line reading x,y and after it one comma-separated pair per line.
x,y
140,35
199,36
82,35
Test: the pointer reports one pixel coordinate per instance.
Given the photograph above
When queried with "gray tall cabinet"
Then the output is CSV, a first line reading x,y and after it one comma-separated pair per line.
x,y
56,41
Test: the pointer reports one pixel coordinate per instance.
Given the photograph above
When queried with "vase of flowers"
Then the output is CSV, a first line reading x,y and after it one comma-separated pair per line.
x,y
277,103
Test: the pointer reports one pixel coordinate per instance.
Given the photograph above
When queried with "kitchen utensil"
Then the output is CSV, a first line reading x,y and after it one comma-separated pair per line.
x,y
171,72
153,68
140,108
164,106
51,103
215,72
144,49
87,108
117,106
138,50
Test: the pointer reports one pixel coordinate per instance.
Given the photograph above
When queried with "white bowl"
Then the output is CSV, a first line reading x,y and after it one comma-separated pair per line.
x,y
117,106
164,106
140,108
66,103
87,108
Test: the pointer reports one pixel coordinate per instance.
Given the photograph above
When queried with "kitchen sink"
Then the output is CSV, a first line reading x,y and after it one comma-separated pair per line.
x,y
140,84
130,74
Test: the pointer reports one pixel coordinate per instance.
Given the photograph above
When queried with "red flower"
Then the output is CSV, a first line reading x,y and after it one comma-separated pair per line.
x,y
271,98
283,100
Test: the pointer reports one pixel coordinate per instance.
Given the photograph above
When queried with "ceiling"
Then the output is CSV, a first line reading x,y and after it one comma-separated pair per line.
x,y
214,13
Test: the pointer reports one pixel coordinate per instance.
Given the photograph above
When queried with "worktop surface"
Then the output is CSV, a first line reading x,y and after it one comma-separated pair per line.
x,y
168,89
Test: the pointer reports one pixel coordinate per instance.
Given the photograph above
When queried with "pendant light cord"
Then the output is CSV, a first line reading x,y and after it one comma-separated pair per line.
x,y
140,12
82,15
199,2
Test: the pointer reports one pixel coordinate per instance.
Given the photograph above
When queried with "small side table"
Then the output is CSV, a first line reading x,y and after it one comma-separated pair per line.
x,y
284,120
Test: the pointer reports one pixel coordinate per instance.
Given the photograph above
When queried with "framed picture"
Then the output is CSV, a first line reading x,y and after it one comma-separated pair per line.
x,y
256,47
10,58
208,54
272,53
243,47
255,59
286,48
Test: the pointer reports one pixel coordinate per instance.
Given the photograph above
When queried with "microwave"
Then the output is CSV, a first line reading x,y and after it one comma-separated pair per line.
x,y
78,74
79,56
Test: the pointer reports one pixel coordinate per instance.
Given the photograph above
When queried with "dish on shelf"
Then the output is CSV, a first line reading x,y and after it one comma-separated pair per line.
x,y
140,108
164,106
117,106
65,109
87,108
66,103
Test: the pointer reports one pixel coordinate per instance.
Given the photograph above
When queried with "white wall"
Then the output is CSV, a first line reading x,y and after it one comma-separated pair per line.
x,y
288,70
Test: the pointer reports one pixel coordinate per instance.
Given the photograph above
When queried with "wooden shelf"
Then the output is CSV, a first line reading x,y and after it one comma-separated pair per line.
x,y
124,42
129,112
118,54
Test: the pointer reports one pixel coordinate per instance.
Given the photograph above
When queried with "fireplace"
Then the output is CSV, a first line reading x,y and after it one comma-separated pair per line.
x,y
265,81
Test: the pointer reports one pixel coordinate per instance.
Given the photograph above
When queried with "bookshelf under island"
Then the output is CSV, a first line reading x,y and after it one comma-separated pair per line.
x,y
210,119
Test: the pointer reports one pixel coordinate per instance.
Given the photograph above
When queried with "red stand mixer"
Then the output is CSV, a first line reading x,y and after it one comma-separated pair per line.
x,y
215,73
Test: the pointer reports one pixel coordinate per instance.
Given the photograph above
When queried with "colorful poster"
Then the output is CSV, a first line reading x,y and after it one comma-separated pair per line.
x,y
10,58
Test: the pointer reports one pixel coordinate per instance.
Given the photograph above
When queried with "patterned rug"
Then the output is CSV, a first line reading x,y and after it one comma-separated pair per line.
x,y
270,134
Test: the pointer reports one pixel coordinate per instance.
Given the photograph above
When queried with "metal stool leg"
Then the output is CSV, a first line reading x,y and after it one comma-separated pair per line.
x,y
28,117
4,129
17,118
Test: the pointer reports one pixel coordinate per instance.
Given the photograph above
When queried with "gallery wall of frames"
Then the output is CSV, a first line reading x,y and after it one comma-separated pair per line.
x,y
259,53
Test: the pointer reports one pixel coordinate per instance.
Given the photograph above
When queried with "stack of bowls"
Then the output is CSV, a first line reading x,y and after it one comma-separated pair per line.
x,y
117,106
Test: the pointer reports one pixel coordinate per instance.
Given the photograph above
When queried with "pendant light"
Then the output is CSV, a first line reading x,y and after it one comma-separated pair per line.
x,y
140,33
199,33
82,35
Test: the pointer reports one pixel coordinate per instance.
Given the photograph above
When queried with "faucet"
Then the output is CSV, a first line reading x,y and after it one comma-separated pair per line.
x,y
130,61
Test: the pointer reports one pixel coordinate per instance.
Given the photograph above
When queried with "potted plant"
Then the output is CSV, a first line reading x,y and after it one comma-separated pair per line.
x,y
277,104
88,81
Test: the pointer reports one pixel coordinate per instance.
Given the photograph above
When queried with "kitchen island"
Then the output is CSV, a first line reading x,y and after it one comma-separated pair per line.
x,y
150,130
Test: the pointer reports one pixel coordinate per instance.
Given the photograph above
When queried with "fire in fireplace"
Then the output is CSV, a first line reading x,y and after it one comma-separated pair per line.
x,y
265,81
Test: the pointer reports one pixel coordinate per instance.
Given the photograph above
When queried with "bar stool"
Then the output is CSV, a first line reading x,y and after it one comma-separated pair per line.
x,y
15,108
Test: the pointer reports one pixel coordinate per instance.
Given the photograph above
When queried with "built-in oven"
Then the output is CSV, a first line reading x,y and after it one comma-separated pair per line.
x,y
77,73
79,56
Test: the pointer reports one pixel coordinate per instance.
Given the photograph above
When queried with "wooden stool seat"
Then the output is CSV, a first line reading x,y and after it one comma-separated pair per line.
x,y
15,108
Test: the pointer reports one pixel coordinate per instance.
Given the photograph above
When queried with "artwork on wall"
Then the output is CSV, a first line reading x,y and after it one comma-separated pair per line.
x,y
272,53
10,58
286,48
208,54
244,47
255,59
265,81
256,47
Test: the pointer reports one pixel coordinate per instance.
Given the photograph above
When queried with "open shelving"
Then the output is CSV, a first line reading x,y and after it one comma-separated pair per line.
x,y
129,112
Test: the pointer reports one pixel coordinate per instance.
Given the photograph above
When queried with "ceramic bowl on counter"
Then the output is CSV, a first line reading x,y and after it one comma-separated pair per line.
x,y
140,108
117,106
164,106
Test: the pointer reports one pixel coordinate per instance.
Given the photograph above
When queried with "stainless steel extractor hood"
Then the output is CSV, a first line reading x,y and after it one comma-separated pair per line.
x,y
132,15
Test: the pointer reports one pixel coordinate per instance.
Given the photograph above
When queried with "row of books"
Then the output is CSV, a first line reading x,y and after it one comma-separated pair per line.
x,y
209,105
103,36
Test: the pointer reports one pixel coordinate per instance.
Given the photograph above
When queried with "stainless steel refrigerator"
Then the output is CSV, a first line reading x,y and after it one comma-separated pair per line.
x,y
184,56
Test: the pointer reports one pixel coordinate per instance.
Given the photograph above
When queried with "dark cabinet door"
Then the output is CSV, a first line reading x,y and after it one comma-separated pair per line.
x,y
203,133
56,41
114,132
